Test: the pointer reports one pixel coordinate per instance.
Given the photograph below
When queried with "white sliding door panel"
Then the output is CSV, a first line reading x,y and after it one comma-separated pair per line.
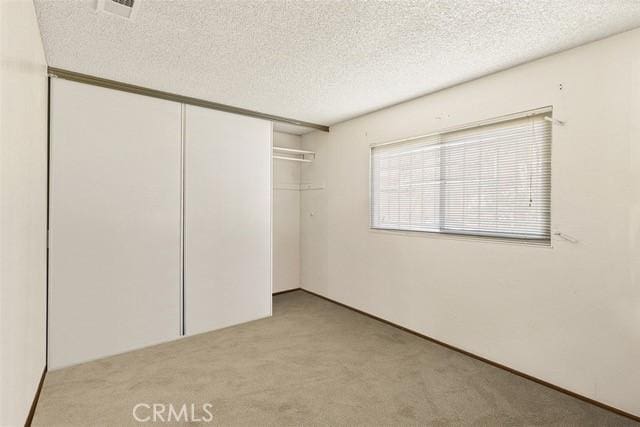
x,y
115,222
227,219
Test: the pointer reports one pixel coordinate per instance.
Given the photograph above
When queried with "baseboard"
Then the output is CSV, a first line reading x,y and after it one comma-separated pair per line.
x,y
32,411
287,291
482,359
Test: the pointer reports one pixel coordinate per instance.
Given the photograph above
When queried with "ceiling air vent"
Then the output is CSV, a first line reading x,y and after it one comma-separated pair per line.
x,y
123,8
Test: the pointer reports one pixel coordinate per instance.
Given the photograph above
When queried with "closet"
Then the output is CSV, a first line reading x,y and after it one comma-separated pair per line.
x,y
159,221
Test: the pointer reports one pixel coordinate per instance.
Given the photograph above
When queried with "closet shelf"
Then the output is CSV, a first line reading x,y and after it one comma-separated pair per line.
x,y
299,187
293,159
293,150
293,154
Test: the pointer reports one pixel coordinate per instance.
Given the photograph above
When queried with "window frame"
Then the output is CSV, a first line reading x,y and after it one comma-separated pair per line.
x,y
476,235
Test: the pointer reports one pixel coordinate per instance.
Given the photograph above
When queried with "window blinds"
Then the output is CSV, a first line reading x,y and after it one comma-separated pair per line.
x,y
490,180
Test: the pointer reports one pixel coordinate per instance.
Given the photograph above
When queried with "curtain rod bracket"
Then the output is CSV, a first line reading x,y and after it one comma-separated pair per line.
x,y
554,121
566,237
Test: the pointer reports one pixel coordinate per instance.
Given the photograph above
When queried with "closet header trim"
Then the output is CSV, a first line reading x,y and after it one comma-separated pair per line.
x,y
126,87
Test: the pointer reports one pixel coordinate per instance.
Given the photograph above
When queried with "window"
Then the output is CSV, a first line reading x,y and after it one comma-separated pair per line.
x,y
491,179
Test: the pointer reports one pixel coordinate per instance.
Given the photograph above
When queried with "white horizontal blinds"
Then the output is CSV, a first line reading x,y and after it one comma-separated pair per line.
x,y
406,185
488,180
496,179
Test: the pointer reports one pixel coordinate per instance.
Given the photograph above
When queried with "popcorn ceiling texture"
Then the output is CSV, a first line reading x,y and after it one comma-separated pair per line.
x,y
320,61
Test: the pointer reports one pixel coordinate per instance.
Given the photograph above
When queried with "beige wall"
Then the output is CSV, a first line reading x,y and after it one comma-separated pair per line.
x,y
23,167
286,217
569,314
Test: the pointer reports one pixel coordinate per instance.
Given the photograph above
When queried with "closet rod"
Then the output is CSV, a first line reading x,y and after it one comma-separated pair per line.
x,y
126,87
293,159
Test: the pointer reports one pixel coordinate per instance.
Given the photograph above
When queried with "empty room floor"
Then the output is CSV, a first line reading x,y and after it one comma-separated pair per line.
x,y
313,362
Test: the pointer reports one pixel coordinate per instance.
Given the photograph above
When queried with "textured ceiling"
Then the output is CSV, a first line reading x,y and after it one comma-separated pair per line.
x,y
320,61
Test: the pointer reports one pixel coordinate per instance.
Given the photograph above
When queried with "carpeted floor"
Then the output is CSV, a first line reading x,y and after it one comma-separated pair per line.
x,y
313,363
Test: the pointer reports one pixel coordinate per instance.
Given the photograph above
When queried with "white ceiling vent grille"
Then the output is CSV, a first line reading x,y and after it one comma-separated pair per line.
x,y
123,8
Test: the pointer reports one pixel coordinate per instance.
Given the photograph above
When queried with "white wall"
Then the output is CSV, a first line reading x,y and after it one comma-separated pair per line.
x,y
569,314
23,167
286,217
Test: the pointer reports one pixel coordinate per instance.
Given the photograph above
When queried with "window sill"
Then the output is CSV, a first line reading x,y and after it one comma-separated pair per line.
x,y
540,243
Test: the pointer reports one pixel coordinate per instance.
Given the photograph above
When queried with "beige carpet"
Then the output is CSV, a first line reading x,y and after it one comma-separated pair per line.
x,y
312,363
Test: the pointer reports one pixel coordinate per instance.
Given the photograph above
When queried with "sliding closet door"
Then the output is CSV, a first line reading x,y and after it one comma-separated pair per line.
x,y
114,222
227,219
